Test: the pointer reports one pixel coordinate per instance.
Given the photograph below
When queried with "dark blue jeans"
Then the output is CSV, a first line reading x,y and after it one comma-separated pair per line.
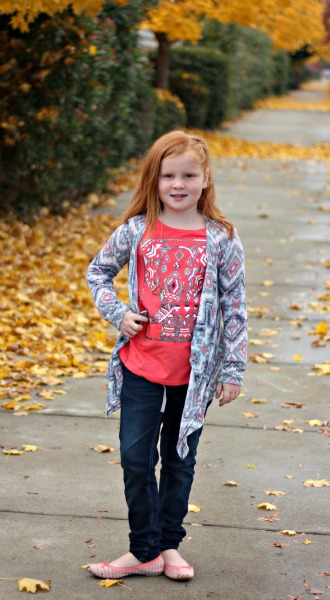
x,y
155,515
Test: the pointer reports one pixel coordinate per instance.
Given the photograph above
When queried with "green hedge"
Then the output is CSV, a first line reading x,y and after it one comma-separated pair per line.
x,y
194,94
69,104
211,69
254,71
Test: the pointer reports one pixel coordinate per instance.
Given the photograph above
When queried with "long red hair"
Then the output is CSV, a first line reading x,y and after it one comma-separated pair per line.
x,y
146,201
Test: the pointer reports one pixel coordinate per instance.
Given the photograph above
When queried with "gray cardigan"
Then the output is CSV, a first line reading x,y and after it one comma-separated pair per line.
x,y
219,343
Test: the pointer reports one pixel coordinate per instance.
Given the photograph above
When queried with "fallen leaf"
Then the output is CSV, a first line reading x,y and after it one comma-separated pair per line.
x,y
267,506
307,542
250,415
297,357
33,585
102,448
13,452
274,493
271,518
110,582
277,545
289,532
249,466
29,448
259,401
314,422
194,508
230,483
292,404
316,483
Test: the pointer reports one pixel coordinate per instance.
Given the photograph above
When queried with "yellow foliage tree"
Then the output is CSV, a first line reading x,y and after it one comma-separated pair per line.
x,y
292,24
24,12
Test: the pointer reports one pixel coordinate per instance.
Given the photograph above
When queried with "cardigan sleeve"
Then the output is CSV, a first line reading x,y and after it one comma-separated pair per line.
x,y
102,270
234,313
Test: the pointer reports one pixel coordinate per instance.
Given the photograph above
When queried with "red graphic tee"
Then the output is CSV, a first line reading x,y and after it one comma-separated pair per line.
x,y
171,270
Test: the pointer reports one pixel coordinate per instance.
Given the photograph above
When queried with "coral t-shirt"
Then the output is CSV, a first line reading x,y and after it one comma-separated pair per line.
x,y
171,271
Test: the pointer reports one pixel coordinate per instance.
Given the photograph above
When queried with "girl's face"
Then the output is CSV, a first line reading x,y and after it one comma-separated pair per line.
x,y
180,183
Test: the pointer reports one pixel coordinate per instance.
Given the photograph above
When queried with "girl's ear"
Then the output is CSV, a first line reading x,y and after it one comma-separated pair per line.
x,y
206,179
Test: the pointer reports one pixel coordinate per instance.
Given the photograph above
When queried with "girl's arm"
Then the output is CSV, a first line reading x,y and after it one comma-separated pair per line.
x,y
101,272
234,314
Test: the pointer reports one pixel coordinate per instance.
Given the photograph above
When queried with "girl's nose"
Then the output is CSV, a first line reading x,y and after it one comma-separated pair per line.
x,y
178,183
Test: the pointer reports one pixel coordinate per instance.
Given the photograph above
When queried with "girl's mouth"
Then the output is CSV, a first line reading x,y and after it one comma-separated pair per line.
x,y
178,196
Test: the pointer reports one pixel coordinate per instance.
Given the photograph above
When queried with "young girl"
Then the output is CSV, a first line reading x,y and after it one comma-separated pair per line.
x,y
182,341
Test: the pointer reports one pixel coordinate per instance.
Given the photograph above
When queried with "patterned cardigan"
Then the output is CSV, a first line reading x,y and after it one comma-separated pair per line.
x,y
219,342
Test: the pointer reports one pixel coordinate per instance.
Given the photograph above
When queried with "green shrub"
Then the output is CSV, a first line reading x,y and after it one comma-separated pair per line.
x,y
194,94
169,113
68,96
254,71
281,72
211,67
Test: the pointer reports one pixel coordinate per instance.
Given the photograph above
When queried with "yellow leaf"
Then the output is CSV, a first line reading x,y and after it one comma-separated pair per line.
x,y
323,368
259,401
266,506
92,50
22,398
28,448
37,406
110,582
316,483
33,585
13,452
268,283
194,508
321,329
249,466
297,357
289,476
250,415
231,483
314,422
307,541
11,405
274,493
102,448
288,532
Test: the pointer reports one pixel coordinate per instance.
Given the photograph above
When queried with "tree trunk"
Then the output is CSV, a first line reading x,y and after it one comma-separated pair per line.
x,y
162,61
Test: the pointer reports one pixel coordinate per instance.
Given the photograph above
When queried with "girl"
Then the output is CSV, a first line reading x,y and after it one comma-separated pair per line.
x,y
183,340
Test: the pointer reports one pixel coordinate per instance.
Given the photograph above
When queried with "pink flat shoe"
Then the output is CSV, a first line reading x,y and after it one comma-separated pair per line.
x,y
178,573
105,570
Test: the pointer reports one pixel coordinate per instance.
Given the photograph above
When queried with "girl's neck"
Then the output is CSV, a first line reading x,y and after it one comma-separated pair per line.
x,y
182,221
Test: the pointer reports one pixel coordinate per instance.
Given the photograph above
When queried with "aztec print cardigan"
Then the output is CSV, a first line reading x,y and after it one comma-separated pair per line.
x,y
219,343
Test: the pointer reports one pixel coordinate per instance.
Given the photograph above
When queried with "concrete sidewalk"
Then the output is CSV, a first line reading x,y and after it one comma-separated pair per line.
x,y
63,505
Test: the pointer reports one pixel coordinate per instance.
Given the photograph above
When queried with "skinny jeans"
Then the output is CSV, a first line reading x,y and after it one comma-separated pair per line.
x,y
150,411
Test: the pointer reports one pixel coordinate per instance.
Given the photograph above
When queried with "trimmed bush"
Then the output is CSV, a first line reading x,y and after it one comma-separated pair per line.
x,y
254,71
194,94
211,68
169,113
281,72
68,94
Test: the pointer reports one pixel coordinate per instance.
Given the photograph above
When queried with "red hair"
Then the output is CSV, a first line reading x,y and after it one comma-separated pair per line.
x,y
146,201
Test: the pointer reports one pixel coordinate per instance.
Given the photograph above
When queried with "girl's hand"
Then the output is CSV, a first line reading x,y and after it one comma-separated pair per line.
x,y
131,323
226,392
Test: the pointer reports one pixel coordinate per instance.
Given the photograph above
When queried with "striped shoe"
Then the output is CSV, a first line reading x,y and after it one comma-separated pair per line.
x,y
178,573
105,570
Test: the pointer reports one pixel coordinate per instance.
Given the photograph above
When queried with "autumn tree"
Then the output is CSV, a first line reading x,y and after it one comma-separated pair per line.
x,y
291,24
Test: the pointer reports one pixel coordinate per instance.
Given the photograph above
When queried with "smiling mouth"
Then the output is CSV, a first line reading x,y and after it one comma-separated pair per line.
x,y
178,196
